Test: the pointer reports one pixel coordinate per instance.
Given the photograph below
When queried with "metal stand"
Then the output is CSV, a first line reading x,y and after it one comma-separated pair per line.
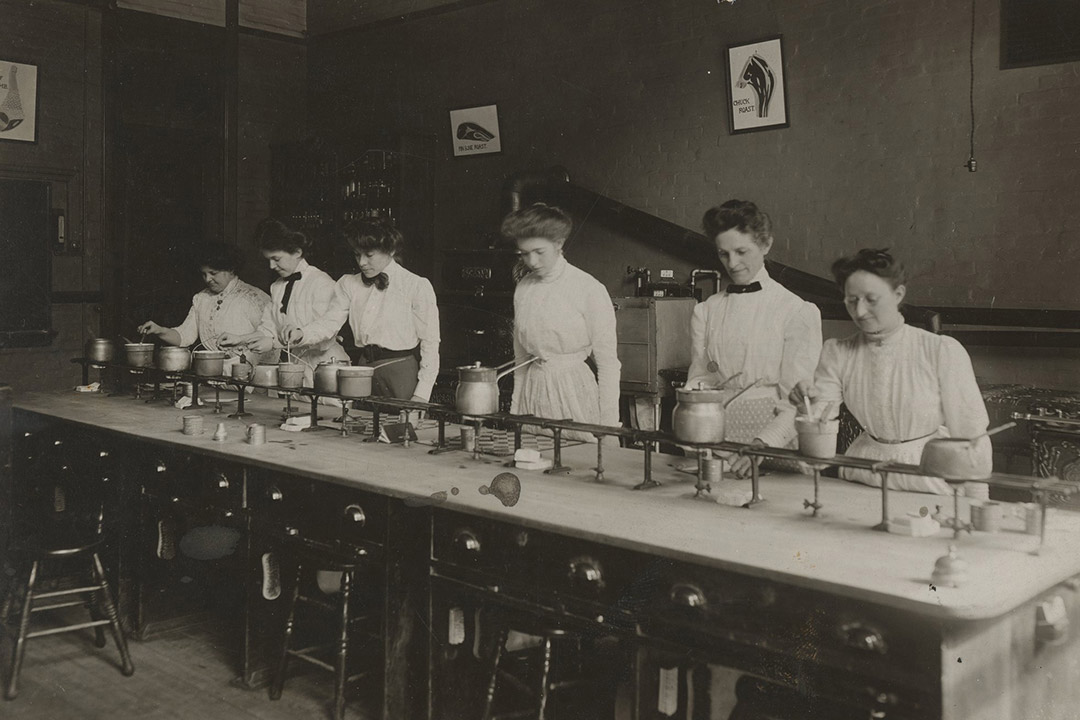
x,y
648,482
241,394
755,485
599,458
375,426
441,446
217,398
883,526
816,505
477,424
314,425
703,487
557,468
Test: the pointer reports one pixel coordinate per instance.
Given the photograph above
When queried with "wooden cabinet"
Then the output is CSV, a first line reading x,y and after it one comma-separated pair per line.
x,y
318,185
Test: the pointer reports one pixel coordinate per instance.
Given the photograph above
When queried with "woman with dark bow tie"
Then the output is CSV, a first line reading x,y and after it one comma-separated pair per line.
x,y
392,313
301,294
753,331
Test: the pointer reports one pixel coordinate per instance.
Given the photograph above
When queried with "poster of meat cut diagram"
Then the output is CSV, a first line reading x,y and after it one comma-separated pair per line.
x,y
756,86
18,101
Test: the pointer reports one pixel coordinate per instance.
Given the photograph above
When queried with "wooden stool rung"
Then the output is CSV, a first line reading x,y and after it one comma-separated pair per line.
x,y
61,593
67,628
57,606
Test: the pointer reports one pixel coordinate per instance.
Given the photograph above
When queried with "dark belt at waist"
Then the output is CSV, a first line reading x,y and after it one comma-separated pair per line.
x,y
900,442
374,353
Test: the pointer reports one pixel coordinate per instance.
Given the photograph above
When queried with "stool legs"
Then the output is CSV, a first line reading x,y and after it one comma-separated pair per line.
x,y
545,676
104,596
19,651
283,661
343,647
493,679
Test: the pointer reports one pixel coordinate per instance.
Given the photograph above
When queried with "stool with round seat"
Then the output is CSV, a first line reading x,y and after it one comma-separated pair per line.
x,y
349,561
56,545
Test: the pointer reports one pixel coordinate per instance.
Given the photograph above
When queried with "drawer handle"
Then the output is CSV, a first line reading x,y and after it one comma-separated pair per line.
x,y
687,595
586,571
466,541
222,481
161,467
355,514
291,531
273,494
863,637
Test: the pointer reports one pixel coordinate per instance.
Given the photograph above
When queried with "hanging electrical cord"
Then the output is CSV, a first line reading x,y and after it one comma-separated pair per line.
x,y
970,164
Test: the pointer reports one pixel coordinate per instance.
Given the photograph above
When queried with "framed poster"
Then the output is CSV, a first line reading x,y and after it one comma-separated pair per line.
x,y
757,88
18,101
475,130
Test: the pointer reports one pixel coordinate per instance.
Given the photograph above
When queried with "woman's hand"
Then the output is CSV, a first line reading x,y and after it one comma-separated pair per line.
x,y
293,336
801,393
742,465
150,328
260,344
229,339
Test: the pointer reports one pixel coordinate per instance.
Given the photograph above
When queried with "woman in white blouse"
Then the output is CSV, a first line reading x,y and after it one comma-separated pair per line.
x,y
753,331
904,385
392,313
301,295
562,315
226,305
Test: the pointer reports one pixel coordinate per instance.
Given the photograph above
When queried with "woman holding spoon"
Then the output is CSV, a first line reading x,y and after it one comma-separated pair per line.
x,y
391,311
301,294
754,331
562,316
905,386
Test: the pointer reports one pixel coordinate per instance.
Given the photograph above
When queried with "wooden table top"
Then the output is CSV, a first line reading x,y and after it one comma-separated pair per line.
x,y
837,552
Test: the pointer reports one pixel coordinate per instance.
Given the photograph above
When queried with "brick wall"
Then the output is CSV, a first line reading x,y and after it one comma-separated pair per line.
x,y
629,95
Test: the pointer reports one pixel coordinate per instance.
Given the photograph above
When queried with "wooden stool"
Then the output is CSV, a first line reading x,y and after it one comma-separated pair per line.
x,y
63,525
544,683
331,559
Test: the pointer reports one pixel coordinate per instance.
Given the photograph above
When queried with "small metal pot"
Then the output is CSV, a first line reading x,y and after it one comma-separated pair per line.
x,y
173,359
290,375
209,363
100,350
139,354
354,381
952,460
326,376
699,413
265,375
478,387
241,370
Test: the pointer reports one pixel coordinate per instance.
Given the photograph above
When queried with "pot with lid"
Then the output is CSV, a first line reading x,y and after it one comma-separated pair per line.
x,y
326,376
209,363
699,413
99,350
478,387
354,381
139,354
173,359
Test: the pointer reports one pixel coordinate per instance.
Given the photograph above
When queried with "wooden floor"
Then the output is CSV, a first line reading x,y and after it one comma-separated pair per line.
x,y
185,674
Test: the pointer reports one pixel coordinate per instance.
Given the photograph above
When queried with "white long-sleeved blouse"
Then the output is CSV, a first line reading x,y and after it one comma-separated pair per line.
x,y
904,389
236,310
401,317
771,336
309,300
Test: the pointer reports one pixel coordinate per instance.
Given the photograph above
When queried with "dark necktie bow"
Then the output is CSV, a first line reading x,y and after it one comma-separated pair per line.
x,y
290,280
739,289
380,281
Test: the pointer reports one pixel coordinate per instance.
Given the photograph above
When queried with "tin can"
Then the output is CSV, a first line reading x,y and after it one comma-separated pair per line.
x,y
256,434
193,424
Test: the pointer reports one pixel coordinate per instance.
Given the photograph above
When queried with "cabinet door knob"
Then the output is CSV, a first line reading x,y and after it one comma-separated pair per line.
x,y
585,571
861,636
273,494
161,467
222,481
687,595
355,514
465,540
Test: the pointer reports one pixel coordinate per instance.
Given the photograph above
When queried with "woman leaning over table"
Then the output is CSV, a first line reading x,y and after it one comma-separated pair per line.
x,y
392,313
904,385
301,295
562,315
226,305
753,331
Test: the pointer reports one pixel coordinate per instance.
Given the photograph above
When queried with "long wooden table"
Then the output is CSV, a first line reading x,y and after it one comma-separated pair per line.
x,y
992,663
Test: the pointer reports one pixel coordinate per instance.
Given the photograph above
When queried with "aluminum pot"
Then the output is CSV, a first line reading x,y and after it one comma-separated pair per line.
x,y
478,387
699,413
354,381
326,376
100,350
290,375
209,363
139,354
173,359
241,369
265,375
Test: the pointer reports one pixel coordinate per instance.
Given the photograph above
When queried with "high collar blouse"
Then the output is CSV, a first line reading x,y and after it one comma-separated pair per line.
x,y
400,317
310,299
236,310
771,336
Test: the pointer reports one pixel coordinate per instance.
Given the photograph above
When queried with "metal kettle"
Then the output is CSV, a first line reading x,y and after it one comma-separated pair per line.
x,y
478,387
699,413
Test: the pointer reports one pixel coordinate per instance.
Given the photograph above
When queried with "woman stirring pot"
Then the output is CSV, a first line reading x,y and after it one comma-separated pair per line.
x,y
753,331
562,315
226,306
904,385
392,313
300,296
